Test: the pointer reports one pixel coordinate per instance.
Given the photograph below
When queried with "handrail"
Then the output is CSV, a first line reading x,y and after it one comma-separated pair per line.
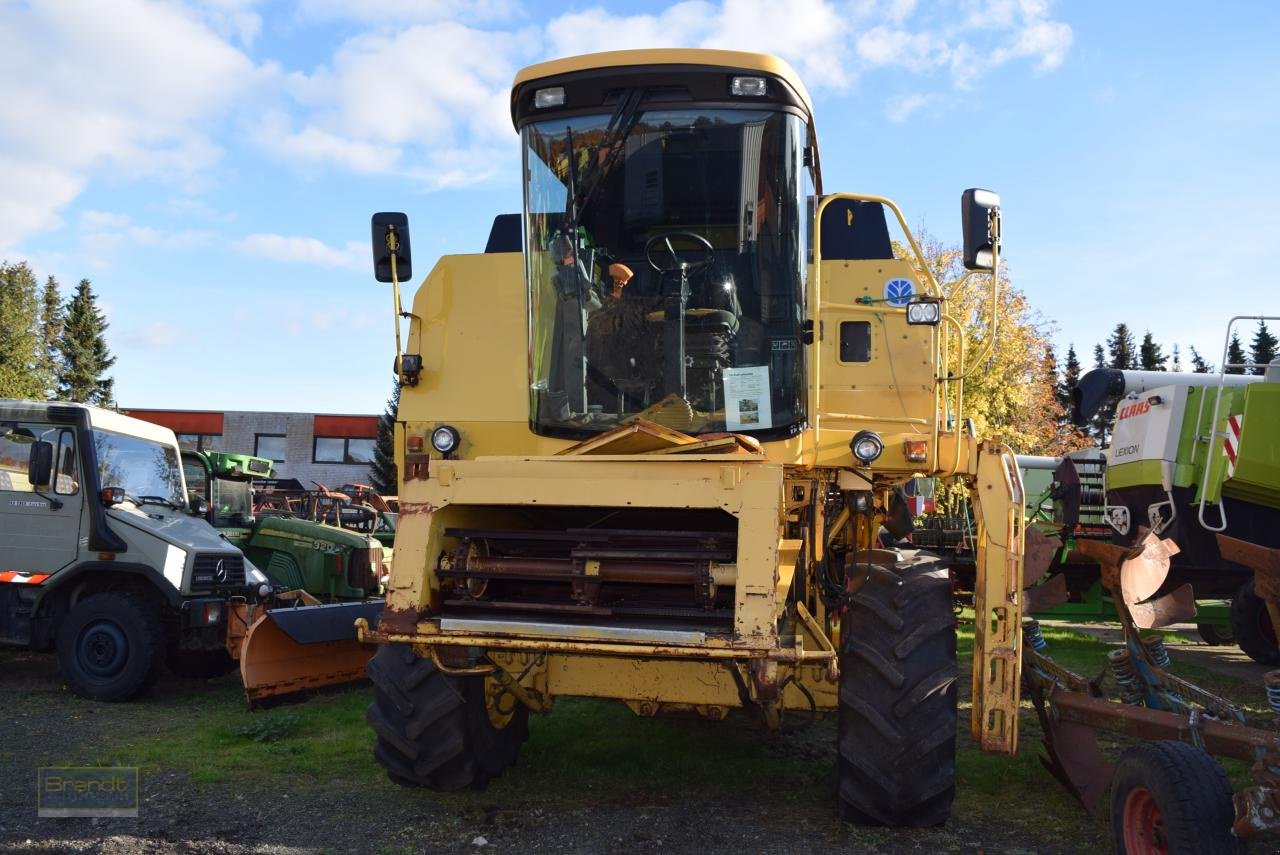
x,y
1214,433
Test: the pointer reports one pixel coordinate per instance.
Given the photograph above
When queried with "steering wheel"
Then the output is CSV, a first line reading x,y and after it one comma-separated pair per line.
x,y
676,261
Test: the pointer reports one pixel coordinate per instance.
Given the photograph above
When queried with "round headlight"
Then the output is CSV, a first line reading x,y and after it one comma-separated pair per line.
x,y
866,446
444,439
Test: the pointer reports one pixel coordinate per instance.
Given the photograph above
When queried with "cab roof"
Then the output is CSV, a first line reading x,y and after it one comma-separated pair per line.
x,y
733,59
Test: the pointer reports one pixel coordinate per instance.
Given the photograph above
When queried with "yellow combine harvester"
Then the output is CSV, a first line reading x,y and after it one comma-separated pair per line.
x,y
649,439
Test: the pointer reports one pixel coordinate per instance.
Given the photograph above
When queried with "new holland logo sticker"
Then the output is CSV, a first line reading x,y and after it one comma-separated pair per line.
x,y
898,292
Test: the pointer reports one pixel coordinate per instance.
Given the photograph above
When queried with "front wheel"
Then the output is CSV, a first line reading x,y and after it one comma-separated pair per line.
x,y
1251,626
1171,798
439,731
111,646
896,740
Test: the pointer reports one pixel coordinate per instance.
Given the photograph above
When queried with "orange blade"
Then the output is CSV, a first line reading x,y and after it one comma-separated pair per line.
x,y
1142,575
273,664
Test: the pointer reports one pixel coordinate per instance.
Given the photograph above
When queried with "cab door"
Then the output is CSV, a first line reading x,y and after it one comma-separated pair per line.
x,y
39,523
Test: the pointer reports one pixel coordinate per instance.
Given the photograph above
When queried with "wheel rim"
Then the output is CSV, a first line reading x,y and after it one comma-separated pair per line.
x,y
1144,832
499,704
102,649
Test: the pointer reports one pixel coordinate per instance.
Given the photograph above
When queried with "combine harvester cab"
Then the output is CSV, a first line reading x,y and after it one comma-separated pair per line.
x,y
322,578
648,439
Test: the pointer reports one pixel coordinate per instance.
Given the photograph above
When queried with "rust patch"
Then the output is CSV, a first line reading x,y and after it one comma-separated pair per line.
x,y
415,509
398,621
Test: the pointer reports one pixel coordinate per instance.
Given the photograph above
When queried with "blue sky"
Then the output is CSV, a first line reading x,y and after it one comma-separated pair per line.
x,y
211,165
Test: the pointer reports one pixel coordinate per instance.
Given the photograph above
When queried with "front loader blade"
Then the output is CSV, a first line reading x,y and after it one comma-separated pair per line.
x,y
290,650
1175,607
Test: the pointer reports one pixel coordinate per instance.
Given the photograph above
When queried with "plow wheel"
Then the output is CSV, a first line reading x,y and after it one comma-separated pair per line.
x,y
1251,626
1215,634
1171,797
438,731
896,740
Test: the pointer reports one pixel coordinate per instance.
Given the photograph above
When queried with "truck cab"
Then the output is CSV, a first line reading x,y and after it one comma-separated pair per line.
x,y
102,560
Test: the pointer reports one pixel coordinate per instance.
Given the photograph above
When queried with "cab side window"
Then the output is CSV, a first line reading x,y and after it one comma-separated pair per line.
x,y
15,455
66,479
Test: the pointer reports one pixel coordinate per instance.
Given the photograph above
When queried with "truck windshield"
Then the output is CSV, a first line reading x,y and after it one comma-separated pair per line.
x,y
143,468
665,271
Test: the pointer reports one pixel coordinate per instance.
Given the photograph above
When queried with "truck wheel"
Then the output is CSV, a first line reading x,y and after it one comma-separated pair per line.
x,y
896,741
111,646
434,730
200,664
1215,633
1171,797
1251,625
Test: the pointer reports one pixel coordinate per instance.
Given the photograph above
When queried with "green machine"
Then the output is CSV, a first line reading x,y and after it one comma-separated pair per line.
x,y
330,562
1194,457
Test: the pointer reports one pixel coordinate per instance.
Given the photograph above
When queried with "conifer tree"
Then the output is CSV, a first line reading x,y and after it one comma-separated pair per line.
x,y
1198,363
50,335
1236,356
82,376
1264,348
1150,355
1070,377
1099,357
1177,359
19,333
382,471
1121,351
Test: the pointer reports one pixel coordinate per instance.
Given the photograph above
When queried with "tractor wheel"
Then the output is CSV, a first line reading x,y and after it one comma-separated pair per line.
x,y
896,741
1251,626
1171,798
200,664
111,646
435,730
1215,633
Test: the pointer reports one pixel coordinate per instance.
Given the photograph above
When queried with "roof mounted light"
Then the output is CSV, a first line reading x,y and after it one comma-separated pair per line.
x,y
552,96
749,87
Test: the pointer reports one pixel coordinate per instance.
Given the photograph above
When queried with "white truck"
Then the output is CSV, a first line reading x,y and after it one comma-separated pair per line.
x,y
100,556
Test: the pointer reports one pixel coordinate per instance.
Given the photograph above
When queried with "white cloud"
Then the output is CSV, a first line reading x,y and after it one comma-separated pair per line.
x,y
902,107
305,250
104,219
402,12
155,336
126,87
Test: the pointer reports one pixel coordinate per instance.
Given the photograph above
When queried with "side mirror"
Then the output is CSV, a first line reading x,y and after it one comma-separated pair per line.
x,y
980,221
391,241
40,463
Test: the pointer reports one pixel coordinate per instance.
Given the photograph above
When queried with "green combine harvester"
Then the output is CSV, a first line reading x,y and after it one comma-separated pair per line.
x,y
1195,458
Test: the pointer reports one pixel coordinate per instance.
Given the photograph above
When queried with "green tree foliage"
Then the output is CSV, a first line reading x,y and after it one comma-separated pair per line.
x,y
51,312
20,361
1199,365
1264,348
1177,359
82,376
382,471
1121,351
1099,357
1235,356
1150,355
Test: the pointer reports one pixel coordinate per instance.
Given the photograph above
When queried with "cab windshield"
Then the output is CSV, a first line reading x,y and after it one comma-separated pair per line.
x,y
147,471
232,503
665,267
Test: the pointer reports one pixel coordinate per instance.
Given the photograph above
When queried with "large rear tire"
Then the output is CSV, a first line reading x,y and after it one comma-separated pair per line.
x,y
433,729
111,646
896,740
1172,798
1251,625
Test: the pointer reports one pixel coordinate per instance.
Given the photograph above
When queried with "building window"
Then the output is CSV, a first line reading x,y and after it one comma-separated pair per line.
x,y
200,441
337,449
269,445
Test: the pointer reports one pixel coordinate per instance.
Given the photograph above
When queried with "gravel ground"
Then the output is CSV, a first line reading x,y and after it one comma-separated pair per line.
x,y
43,725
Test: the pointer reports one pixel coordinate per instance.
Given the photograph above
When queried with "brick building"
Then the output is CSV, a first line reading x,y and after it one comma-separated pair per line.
x,y
330,448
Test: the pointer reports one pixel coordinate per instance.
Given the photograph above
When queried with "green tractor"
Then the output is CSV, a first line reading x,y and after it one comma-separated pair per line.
x,y
330,575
